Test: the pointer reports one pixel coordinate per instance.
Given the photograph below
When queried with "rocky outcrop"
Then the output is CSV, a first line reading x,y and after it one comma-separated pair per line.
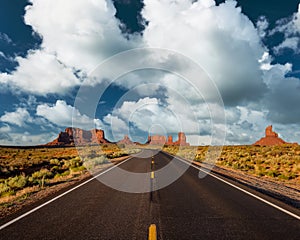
x,y
162,140
271,138
126,140
181,140
72,136
157,140
170,140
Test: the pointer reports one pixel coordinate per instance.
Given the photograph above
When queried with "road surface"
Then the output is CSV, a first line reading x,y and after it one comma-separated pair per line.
x,y
189,208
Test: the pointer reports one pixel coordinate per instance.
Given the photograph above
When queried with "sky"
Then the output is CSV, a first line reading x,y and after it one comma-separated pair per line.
x,y
52,52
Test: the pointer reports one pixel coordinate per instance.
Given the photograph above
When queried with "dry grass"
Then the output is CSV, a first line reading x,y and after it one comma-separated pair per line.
x,y
24,171
276,162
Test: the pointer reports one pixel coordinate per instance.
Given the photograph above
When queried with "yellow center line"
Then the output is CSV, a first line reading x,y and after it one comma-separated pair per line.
x,y
152,175
152,232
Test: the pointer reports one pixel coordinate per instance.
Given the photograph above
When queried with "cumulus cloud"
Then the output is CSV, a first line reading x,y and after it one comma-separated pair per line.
x,y
81,40
288,43
262,25
290,27
26,138
143,115
65,115
40,73
151,116
221,39
72,44
20,117
282,99
227,46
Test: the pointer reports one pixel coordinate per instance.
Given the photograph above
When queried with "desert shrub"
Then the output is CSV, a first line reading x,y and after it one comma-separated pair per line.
x,y
42,173
55,169
4,189
55,161
65,173
284,177
75,162
40,176
77,169
92,163
17,182
272,173
116,155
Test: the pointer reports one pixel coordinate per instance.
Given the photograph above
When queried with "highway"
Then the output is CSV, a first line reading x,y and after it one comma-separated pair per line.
x,y
189,208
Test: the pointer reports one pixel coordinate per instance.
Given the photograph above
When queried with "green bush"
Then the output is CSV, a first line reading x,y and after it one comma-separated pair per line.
x,y
77,169
17,182
92,163
42,173
40,176
4,188
55,161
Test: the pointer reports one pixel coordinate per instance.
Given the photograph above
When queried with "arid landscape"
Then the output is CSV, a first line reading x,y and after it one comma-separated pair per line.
x,y
31,173
149,119
27,171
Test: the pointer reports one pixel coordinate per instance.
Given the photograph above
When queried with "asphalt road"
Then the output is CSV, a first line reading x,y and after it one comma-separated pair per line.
x,y
189,208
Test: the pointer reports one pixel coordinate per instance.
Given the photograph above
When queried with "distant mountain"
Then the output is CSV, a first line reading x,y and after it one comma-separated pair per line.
x,y
271,139
72,136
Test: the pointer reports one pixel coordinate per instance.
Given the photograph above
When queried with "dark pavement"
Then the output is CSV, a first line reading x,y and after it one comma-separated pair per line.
x,y
189,208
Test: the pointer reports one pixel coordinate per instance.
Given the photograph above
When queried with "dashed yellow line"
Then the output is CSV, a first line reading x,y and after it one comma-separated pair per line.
x,y
152,232
152,175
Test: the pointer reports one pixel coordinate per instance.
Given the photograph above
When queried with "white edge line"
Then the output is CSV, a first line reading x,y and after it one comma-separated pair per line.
x,y
59,196
241,189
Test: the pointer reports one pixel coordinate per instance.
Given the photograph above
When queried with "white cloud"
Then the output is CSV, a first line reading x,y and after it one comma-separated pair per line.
x,y
80,40
70,43
290,27
5,129
297,19
65,115
40,73
219,38
290,43
20,117
282,99
144,114
262,25
26,139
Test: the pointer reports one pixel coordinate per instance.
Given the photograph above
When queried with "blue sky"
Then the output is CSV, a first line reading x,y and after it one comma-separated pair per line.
x,y
250,49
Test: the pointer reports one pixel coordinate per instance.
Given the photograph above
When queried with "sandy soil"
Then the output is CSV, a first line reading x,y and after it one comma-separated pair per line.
x,y
287,191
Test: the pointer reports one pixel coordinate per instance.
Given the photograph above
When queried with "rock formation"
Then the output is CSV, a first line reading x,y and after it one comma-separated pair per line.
x,y
270,139
157,140
161,140
181,140
126,140
72,136
170,140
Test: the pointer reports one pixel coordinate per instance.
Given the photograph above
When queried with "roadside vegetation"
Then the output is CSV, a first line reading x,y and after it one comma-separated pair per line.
x,y
25,171
276,162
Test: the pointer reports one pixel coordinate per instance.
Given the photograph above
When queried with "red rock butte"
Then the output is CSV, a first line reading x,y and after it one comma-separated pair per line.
x,y
72,136
126,140
271,138
162,140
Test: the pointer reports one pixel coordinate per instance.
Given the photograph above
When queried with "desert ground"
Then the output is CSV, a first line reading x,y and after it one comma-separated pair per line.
x,y
29,174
